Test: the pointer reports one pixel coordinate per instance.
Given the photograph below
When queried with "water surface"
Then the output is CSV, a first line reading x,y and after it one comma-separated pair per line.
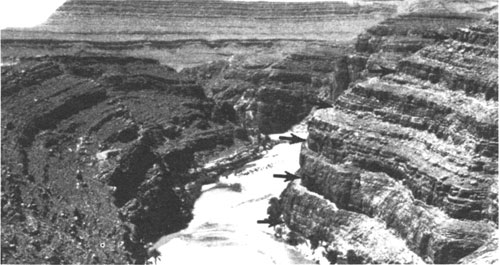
x,y
224,228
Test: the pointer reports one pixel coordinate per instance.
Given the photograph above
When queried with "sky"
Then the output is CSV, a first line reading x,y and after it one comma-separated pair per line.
x,y
26,13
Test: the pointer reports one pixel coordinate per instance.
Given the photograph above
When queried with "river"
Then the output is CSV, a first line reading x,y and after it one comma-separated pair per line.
x,y
224,229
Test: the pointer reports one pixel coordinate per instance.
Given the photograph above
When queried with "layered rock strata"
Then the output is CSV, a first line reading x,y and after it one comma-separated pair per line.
x,y
128,20
79,189
416,149
435,235
98,155
318,218
398,37
271,93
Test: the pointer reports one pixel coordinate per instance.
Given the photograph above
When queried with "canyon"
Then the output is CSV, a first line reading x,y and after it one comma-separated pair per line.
x,y
415,149
113,128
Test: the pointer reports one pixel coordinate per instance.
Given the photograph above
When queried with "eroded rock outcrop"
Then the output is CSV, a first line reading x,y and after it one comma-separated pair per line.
x,y
416,148
208,20
103,154
270,94
320,219
97,155
486,254
375,194
398,37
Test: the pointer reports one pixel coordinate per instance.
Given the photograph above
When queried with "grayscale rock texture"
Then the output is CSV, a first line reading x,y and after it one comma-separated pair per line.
x,y
107,128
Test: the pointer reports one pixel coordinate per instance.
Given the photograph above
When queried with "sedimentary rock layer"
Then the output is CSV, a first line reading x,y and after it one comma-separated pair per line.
x,y
174,20
96,154
318,218
79,189
437,173
427,231
416,148
401,36
271,93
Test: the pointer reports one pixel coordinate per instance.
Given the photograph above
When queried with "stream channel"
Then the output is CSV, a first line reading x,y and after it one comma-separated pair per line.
x,y
224,229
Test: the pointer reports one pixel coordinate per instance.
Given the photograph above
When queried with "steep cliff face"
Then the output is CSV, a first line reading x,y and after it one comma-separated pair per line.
x,y
416,149
320,219
96,154
486,254
103,153
269,93
166,20
398,37
189,33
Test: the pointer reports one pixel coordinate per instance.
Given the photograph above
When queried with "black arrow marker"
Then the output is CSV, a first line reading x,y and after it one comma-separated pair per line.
x,y
270,222
293,139
383,70
288,176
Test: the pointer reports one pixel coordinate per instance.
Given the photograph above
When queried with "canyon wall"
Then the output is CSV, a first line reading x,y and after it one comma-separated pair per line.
x,y
183,34
415,148
269,94
97,152
167,20
104,146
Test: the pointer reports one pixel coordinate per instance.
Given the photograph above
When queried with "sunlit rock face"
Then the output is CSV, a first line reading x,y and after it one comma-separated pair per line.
x,y
167,20
416,149
315,217
423,23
